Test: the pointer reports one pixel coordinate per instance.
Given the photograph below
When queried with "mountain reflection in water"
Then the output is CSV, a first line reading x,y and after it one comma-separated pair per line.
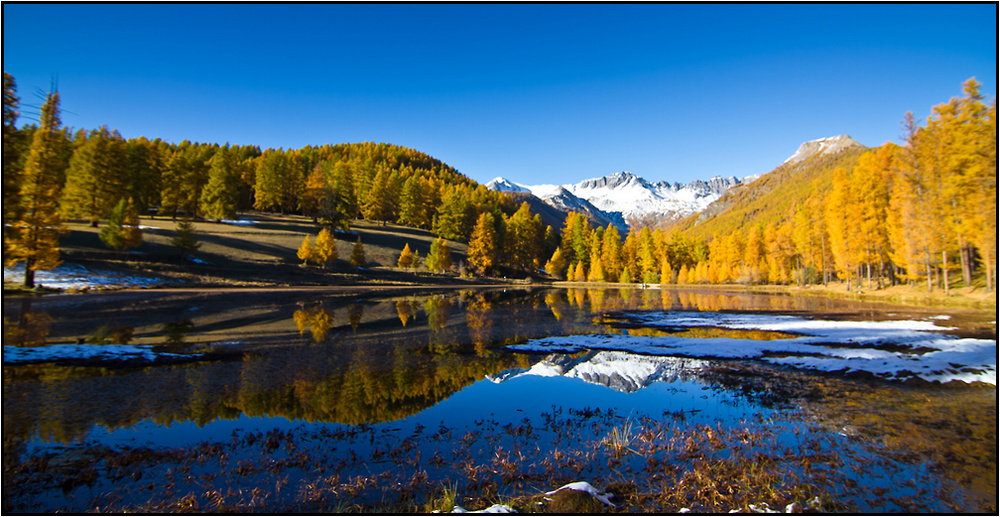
x,y
423,358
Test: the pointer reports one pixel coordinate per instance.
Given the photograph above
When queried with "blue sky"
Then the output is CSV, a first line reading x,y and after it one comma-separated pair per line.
x,y
534,93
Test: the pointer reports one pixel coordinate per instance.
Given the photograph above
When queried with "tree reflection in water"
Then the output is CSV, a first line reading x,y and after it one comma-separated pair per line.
x,y
377,360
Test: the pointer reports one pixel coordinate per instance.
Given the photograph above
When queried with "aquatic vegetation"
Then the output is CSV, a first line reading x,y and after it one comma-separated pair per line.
x,y
413,403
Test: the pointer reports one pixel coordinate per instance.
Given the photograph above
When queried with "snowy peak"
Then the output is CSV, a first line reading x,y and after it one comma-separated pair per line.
x,y
827,145
505,185
618,180
624,196
638,199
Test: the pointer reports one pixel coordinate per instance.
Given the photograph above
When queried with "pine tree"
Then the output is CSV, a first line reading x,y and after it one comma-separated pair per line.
x,y
314,193
611,252
871,178
34,239
483,245
133,231
11,155
97,176
456,216
113,234
218,198
305,252
144,166
271,181
381,202
122,230
666,273
597,272
556,266
172,183
523,238
754,256
439,257
184,240
405,257
413,202
630,254
326,248
841,208
358,254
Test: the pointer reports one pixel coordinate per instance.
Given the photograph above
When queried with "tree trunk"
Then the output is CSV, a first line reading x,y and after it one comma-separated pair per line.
x,y
826,279
990,274
966,253
944,270
930,279
29,274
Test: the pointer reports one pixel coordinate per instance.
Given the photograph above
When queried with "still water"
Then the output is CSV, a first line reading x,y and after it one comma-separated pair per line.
x,y
457,387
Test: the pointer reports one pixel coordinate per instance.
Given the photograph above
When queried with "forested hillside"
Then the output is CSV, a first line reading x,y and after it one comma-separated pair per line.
x,y
88,173
922,212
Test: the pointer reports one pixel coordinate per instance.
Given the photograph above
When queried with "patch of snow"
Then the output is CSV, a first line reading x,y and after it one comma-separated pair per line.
x,y
239,222
918,349
16,354
497,508
827,145
583,486
75,276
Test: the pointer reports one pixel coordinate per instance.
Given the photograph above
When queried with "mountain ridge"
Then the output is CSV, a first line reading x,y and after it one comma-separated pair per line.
x,y
626,199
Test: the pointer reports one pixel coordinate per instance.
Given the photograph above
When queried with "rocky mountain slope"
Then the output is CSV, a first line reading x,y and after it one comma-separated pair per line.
x,y
625,199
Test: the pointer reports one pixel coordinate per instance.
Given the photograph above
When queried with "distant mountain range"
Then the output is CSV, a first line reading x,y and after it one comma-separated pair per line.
x,y
620,371
624,199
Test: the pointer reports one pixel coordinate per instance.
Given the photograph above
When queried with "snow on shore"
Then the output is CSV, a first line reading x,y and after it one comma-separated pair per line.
x,y
17,354
75,276
888,349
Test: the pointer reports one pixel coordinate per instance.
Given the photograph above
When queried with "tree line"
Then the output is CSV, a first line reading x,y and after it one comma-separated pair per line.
x,y
915,213
52,173
912,213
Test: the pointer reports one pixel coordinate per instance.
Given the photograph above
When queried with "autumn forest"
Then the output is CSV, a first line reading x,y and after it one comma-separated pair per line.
x,y
923,212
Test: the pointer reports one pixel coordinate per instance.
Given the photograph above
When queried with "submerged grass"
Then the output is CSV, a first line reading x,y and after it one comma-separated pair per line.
x,y
649,464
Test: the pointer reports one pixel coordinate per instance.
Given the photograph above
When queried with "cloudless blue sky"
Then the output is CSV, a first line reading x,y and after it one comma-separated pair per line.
x,y
535,93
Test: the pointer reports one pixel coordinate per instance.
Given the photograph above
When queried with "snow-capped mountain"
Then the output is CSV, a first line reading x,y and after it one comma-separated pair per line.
x,y
620,371
563,200
505,185
625,196
827,145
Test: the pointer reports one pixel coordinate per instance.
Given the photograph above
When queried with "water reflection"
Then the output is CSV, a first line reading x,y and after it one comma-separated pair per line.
x,y
325,357
619,371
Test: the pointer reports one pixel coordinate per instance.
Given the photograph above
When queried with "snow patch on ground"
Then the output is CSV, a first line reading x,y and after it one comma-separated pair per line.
x,y
889,349
583,486
239,222
75,276
16,355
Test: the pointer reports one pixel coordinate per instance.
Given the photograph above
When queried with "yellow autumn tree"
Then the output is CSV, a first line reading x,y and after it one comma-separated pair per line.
x,y
34,236
305,252
405,257
326,248
840,221
483,245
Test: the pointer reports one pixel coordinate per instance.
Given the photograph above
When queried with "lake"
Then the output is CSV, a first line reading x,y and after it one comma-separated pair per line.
x,y
411,399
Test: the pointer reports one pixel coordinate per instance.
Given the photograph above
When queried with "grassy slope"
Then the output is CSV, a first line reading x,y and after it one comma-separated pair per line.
x,y
259,254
